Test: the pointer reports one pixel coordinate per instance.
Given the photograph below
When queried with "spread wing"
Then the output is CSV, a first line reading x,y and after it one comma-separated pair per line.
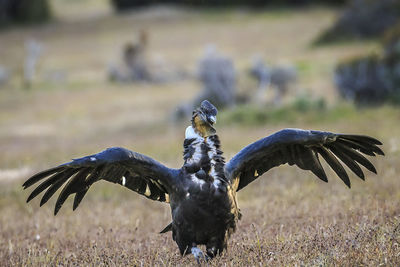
x,y
117,165
303,148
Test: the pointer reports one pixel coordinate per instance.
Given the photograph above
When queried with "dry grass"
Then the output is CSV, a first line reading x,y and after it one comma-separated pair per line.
x,y
289,217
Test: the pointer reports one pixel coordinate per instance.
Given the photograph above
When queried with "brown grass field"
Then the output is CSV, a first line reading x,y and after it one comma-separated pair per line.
x,y
289,216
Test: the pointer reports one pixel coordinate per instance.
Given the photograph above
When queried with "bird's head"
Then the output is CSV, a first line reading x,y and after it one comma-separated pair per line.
x,y
203,119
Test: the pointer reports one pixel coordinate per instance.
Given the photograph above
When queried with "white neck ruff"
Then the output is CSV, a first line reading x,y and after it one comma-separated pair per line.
x,y
191,133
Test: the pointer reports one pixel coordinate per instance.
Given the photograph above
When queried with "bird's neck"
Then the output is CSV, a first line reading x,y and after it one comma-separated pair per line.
x,y
202,128
203,154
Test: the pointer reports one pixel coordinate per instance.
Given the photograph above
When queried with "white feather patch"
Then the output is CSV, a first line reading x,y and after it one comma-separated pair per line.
x,y
213,150
197,180
92,159
216,183
123,180
196,157
211,154
147,193
191,133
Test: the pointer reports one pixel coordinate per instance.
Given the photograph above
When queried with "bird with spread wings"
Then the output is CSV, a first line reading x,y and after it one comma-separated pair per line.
x,y
202,194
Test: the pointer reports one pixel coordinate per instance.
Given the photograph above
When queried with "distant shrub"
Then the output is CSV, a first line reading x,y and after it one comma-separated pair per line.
x,y
24,11
121,5
363,19
363,80
302,108
391,45
305,103
372,79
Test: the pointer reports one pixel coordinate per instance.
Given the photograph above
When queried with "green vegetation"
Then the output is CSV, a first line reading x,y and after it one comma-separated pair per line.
x,y
302,109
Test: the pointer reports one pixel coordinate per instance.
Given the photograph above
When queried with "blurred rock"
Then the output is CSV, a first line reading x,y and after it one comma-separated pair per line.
x,y
4,75
279,78
33,51
218,77
363,19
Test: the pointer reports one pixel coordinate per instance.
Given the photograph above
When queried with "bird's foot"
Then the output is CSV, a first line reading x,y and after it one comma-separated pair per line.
x,y
199,255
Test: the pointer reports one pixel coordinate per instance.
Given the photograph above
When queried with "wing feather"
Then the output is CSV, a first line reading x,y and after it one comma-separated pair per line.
x,y
368,149
316,167
78,198
358,157
302,148
64,176
39,176
348,161
365,138
43,186
335,164
73,185
117,165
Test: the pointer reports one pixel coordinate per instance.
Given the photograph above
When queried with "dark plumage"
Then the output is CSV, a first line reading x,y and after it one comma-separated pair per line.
x,y
202,194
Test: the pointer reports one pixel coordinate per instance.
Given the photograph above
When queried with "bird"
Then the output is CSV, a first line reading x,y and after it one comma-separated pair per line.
x,y
202,193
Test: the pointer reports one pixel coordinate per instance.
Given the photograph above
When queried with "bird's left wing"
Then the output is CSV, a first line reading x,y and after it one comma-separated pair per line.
x,y
303,148
117,165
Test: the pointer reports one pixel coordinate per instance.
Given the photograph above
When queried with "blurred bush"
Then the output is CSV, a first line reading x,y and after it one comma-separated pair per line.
x,y
363,80
24,11
121,5
363,19
303,107
373,79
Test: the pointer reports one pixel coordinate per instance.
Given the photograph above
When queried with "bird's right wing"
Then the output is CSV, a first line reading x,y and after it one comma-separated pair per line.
x,y
303,148
117,165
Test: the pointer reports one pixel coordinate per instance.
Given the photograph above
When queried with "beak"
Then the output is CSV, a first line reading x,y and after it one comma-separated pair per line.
x,y
213,119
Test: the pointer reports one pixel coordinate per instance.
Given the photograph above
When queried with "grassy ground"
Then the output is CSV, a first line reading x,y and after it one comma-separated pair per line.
x,y
289,217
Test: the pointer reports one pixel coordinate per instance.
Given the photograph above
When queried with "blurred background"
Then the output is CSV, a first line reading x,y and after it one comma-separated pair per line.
x,y
78,76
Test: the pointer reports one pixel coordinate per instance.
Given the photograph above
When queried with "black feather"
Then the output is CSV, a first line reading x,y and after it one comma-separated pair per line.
x,y
370,147
35,178
166,229
335,165
357,157
78,198
367,149
56,185
364,138
94,175
71,187
317,168
44,185
348,161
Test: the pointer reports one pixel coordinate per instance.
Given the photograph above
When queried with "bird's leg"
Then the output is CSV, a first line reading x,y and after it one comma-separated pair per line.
x,y
198,254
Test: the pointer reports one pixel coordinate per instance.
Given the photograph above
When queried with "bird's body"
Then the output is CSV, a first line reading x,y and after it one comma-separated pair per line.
x,y
202,194
204,209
